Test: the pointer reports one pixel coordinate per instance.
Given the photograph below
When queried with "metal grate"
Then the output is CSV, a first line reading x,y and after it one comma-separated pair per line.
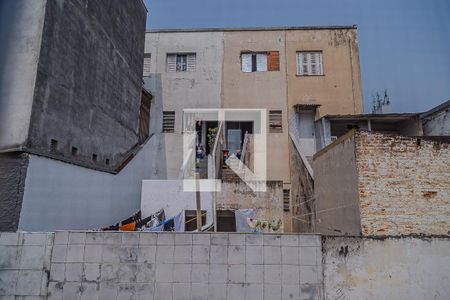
x,y
168,121
275,121
286,200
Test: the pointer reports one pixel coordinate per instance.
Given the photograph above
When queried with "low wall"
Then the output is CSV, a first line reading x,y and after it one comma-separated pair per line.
x,y
391,268
114,265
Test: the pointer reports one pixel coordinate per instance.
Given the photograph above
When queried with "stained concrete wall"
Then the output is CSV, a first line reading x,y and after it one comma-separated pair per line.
x,y
437,123
160,266
13,171
89,78
392,268
339,90
336,188
175,91
21,25
61,196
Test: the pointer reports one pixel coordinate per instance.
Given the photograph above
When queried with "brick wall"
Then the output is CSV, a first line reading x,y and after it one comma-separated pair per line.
x,y
114,265
404,185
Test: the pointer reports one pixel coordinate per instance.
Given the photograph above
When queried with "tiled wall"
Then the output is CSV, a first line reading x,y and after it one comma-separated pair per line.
x,y
98,265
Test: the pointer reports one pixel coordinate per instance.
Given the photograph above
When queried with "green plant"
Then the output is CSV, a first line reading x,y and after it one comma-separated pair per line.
x,y
212,132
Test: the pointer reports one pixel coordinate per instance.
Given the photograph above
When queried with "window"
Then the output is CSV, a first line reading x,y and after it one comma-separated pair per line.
x,y
226,221
275,121
286,200
191,219
144,116
74,150
260,62
181,62
94,157
53,145
309,63
147,60
168,121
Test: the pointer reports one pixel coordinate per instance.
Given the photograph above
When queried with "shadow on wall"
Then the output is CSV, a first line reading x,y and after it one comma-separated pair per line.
x,y
158,160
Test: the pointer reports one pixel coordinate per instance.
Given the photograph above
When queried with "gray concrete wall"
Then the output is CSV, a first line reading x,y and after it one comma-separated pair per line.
x,y
21,24
60,196
391,268
160,266
336,188
437,124
13,170
175,91
89,79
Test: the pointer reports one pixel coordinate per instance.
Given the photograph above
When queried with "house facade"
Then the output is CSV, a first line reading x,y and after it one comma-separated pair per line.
x,y
295,74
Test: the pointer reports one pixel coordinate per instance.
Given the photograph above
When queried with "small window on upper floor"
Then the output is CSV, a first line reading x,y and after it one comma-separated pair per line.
x,y
147,61
309,63
181,62
260,61
275,121
168,121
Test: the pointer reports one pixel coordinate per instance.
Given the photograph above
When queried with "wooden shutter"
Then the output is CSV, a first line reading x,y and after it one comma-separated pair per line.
x,y
147,60
171,63
273,60
275,121
168,121
261,62
246,59
191,61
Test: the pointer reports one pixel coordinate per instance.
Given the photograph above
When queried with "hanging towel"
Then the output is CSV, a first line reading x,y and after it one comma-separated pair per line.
x,y
178,221
241,216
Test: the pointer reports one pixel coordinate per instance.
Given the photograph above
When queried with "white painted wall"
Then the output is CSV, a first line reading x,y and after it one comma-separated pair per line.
x,y
21,25
64,196
179,90
392,268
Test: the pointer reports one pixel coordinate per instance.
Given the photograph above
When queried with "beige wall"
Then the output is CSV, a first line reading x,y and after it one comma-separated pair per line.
x,y
336,188
338,91
265,90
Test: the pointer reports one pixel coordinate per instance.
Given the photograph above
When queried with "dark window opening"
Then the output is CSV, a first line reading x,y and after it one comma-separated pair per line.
x,y
53,145
144,116
74,150
226,221
94,157
191,219
107,161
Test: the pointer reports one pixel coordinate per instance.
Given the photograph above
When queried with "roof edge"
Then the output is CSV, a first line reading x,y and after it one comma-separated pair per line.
x,y
435,109
251,28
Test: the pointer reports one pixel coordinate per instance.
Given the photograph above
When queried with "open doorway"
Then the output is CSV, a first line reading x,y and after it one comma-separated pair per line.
x,y
235,134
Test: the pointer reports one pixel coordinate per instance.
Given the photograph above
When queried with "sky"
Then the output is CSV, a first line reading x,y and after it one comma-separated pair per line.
x,y
404,44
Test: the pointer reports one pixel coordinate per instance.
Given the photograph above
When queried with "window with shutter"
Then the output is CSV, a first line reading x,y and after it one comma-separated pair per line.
x,y
309,63
260,61
168,121
181,62
286,200
275,121
147,60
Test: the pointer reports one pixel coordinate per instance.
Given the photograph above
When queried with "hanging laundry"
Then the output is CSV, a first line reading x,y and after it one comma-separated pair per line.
x,y
179,222
242,216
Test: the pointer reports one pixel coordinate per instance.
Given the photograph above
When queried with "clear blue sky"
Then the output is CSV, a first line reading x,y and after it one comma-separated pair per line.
x,y
404,44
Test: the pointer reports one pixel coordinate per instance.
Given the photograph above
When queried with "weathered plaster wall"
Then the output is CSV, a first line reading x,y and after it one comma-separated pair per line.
x,y
262,90
403,185
437,124
302,214
61,196
89,79
175,91
160,266
237,195
339,90
13,171
336,188
392,268
21,24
